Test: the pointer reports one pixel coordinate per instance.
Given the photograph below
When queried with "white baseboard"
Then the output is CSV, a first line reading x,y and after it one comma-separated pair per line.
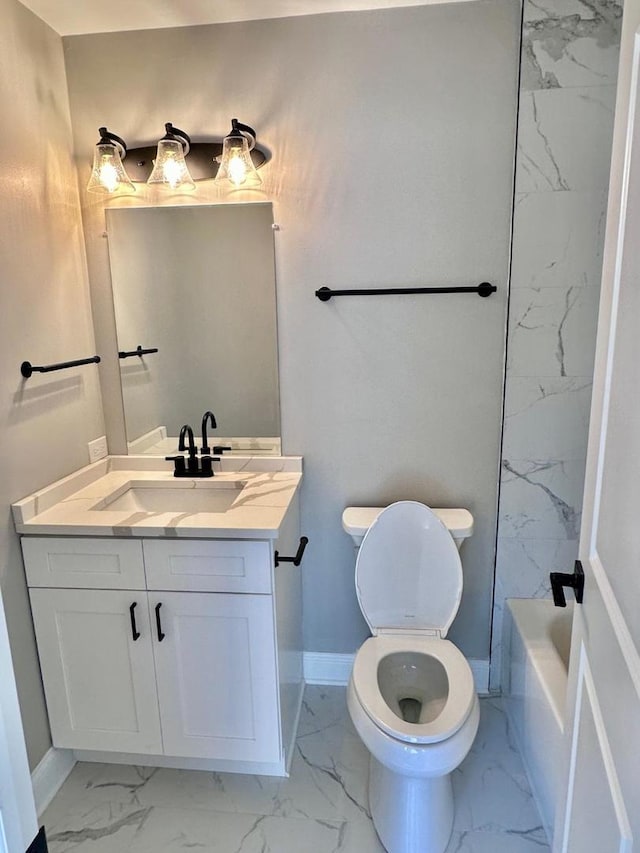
x,y
49,775
480,670
328,668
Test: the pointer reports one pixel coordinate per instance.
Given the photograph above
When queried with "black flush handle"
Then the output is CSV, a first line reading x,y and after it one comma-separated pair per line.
x,y
299,554
561,579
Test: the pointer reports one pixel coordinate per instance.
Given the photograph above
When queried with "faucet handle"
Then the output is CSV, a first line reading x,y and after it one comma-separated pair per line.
x,y
206,465
179,468
218,448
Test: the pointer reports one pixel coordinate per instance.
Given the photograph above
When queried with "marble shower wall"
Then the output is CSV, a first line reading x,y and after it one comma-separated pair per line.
x,y
567,99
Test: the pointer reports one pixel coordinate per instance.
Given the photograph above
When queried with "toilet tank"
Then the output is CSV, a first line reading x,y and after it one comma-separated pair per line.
x,y
356,520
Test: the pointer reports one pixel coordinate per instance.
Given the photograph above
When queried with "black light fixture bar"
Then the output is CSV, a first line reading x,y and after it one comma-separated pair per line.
x,y
139,351
27,369
484,289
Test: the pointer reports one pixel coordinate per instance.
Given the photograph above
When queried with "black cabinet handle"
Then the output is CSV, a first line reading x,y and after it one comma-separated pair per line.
x,y
134,631
298,557
161,636
561,579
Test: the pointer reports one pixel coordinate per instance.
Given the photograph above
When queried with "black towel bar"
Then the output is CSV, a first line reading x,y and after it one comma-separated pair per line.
x,y
485,288
27,369
140,351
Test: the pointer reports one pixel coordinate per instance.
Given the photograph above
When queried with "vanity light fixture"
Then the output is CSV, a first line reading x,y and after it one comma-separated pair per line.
x,y
176,161
108,175
236,165
169,166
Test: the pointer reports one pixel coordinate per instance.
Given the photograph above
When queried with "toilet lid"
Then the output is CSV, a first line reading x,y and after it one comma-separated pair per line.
x,y
408,572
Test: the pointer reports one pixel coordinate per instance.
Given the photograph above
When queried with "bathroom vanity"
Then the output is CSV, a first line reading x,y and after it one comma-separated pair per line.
x,y
168,623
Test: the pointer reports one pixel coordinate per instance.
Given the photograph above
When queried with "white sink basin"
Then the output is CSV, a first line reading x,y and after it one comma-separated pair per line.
x,y
210,497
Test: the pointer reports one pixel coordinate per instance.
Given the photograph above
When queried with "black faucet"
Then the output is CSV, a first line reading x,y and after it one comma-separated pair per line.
x,y
208,416
193,467
192,464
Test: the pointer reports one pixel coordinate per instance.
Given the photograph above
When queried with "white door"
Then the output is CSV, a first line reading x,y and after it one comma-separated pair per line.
x,y
96,659
216,673
18,821
599,807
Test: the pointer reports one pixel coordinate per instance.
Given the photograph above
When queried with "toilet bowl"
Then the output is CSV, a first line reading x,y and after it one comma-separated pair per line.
x,y
411,694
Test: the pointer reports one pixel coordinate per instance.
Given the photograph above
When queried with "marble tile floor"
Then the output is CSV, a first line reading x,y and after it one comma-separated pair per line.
x,y
321,808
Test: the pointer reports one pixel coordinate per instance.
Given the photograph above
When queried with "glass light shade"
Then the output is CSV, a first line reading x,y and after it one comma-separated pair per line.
x,y
108,175
170,167
236,165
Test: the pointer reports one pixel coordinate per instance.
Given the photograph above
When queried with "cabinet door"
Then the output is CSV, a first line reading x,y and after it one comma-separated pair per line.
x,y
216,675
99,681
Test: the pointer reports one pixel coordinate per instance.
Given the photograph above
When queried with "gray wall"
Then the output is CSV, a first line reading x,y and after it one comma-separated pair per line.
x,y
45,314
392,135
569,68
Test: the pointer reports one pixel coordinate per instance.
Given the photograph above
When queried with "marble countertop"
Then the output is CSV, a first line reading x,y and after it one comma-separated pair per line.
x,y
74,505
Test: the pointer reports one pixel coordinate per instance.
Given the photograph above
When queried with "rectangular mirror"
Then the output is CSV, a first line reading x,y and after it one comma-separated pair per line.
x,y
196,285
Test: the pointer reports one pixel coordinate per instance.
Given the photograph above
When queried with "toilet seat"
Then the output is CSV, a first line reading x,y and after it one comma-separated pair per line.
x,y
460,698
408,572
409,585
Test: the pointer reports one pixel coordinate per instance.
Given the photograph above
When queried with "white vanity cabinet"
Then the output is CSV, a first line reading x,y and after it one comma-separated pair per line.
x,y
169,650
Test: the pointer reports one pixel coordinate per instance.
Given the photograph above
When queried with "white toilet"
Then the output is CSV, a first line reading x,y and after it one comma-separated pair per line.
x,y
411,695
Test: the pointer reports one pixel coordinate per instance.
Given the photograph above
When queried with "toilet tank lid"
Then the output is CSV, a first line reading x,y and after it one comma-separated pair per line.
x,y
356,520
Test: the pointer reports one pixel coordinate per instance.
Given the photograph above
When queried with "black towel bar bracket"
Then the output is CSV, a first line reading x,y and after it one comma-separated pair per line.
x,y
139,351
27,369
484,289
